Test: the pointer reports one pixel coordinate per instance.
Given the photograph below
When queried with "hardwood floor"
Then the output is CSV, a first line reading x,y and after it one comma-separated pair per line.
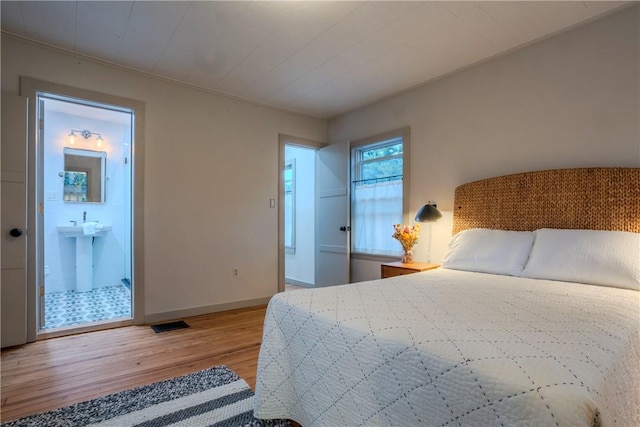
x,y
61,371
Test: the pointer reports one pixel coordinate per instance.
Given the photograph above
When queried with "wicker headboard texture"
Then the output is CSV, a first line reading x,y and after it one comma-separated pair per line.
x,y
584,198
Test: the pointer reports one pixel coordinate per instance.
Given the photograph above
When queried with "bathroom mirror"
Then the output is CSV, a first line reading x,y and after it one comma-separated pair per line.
x,y
84,175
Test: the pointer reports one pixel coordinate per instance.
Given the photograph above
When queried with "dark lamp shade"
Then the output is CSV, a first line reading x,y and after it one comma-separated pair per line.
x,y
428,213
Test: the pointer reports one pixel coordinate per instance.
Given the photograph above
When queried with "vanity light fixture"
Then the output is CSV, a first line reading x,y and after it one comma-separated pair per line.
x,y
86,134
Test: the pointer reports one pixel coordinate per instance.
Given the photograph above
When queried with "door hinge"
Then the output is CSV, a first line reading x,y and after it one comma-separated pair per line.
x,y
41,207
41,291
41,124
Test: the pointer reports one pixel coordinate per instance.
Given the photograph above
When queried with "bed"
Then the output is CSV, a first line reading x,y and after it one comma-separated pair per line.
x,y
533,321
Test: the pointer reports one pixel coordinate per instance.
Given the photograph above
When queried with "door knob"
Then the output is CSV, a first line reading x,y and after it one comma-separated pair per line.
x,y
15,232
345,228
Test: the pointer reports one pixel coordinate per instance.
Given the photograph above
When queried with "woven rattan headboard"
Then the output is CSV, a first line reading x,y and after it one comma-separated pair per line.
x,y
587,198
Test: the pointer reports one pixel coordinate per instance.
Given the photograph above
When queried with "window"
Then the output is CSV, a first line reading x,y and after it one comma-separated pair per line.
x,y
377,194
289,206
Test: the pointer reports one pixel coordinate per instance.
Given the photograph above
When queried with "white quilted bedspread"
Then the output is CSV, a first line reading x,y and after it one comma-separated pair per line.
x,y
449,347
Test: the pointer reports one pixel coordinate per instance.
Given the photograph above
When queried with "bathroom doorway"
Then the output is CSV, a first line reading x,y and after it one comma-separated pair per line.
x,y
85,216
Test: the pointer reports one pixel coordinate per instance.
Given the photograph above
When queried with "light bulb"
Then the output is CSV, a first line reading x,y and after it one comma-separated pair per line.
x,y
72,138
99,143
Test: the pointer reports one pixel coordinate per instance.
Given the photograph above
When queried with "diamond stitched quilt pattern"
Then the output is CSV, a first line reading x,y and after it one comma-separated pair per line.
x,y
451,348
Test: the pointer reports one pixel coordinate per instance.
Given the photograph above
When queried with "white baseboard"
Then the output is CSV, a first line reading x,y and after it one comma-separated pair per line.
x,y
207,309
299,283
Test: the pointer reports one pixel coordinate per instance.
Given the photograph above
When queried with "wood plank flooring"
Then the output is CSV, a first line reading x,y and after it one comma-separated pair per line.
x,y
61,371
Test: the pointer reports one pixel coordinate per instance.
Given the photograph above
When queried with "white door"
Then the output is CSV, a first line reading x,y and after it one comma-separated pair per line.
x,y
14,220
332,215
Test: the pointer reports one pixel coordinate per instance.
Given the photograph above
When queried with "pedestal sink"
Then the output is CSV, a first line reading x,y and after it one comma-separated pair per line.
x,y
84,252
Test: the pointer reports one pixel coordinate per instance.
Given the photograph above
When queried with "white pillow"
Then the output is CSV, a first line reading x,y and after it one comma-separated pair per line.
x,y
608,258
489,251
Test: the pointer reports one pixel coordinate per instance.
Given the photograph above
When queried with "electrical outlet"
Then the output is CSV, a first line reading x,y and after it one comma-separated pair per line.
x,y
235,273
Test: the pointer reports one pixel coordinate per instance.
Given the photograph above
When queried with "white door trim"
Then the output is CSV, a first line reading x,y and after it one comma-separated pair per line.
x,y
29,88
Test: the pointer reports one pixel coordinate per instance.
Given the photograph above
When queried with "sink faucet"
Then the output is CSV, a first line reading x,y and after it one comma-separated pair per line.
x,y
84,216
74,222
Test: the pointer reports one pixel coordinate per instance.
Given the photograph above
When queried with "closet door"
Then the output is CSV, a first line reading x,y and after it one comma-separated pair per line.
x,y
13,220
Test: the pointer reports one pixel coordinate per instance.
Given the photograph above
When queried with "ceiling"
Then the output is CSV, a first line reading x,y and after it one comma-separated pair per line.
x,y
320,58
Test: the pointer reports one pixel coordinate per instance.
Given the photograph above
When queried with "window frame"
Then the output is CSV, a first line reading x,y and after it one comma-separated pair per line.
x,y
359,163
357,145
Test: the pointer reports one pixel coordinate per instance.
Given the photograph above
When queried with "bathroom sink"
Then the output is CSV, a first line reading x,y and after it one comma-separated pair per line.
x,y
84,250
78,231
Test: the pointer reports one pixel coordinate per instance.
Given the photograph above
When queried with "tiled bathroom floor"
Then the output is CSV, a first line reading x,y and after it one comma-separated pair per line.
x,y
73,308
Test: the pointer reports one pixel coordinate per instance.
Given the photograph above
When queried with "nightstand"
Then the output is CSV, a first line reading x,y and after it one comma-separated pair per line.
x,y
391,269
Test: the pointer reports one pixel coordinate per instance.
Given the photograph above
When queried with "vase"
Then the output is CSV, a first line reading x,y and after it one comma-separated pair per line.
x,y
407,255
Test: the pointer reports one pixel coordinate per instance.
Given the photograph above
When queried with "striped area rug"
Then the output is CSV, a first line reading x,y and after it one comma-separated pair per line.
x,y
213,397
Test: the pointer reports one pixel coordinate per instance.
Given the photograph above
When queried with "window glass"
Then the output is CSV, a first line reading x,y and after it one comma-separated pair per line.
x,y
383,168
384,151
377,194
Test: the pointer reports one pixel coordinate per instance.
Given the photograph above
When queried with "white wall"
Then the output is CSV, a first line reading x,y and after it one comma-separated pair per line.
x,y
568,101
109,251
300,266
211,166
211,161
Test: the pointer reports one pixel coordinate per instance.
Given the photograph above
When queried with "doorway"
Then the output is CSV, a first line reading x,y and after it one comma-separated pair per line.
x,y
86,218
299,215
297,206
131,215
